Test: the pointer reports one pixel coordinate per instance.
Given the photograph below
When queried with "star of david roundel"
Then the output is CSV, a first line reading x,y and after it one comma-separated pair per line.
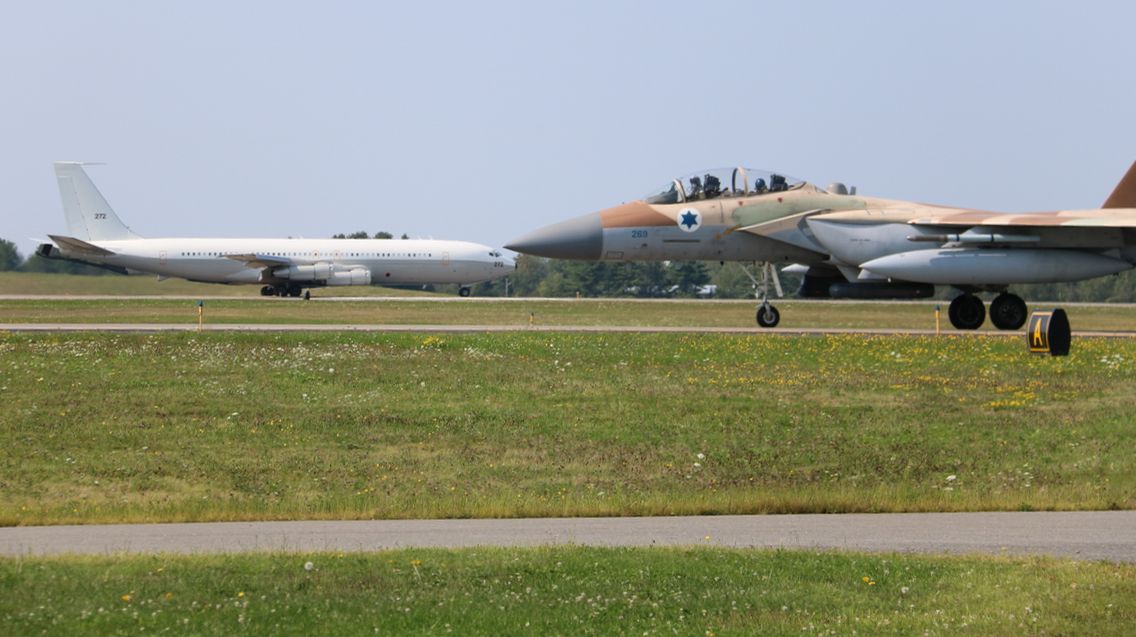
x,y
689,219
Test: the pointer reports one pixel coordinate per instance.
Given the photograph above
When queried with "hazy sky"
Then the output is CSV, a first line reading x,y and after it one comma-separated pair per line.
x,y
484,120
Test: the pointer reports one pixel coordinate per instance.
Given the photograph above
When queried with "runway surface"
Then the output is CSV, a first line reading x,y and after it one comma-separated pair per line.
x,y
344,327
1085,535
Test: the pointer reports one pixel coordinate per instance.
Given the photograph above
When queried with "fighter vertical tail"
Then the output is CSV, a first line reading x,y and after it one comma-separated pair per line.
x,y
88,215
1124,195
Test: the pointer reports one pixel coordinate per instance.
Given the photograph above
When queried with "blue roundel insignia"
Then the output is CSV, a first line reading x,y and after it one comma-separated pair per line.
x,y
689,219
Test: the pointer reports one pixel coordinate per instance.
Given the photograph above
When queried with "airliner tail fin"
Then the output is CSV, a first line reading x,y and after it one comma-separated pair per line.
x,y
89,217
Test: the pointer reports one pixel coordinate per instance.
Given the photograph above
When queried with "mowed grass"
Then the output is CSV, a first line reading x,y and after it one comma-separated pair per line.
x,y
519,312
242,304
566,591
180,427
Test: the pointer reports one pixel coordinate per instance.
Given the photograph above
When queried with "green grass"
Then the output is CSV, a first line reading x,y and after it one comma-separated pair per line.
x,y
178,427
566,591
246,306
592,312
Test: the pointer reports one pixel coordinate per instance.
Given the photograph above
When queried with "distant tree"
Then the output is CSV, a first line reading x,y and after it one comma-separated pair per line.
x,y
653,280
383,234
530,272
404,236
689,276
359,234
9,256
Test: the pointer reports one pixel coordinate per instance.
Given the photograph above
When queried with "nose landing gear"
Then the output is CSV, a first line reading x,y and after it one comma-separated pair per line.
x,y
767,315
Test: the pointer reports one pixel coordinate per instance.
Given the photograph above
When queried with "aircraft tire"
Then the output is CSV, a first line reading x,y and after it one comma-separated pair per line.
x,y
1008,312
267,291
463,291
967,312
768,316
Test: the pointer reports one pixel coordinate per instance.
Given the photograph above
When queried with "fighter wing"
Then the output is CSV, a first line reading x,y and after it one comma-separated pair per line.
x,y
78,246
1100,218
259,260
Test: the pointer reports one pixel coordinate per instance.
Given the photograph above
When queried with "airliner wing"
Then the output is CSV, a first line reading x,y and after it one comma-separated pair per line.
x,y
73,245
259,260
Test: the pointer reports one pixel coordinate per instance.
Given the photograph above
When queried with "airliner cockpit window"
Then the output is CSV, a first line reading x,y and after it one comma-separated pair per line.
x,y
721,183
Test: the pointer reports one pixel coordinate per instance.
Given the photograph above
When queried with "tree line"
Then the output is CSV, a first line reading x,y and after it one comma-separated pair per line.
x,y
536,276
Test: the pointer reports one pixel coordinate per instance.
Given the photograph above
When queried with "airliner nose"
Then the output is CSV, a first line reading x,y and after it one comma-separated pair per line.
x,y
579,238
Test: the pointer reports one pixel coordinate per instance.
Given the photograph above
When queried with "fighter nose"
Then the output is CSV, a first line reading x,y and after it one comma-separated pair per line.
x,y
579,238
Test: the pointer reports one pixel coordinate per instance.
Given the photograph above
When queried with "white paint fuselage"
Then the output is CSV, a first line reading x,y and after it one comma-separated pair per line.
x,y
390,261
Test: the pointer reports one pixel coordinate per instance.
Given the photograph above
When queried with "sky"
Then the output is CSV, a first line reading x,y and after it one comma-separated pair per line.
x,y
482,121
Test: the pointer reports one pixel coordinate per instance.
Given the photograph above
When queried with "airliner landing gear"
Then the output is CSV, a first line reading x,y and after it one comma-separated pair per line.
x,y
463,291
307,295
767,315
294,291
268,290
967,312
1008,312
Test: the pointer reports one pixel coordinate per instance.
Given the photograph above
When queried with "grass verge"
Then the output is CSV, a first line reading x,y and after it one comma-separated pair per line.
x,y
194,427
566,591
587,312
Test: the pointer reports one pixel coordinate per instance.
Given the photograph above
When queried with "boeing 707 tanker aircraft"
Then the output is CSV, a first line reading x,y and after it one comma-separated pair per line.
x,y
283,267
851,246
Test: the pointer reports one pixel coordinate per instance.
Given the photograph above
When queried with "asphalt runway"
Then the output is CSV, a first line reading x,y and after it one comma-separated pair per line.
x,y
1083,535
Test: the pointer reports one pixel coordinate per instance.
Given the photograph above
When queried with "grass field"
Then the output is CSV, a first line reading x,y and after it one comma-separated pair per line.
x,y
246,306
566,591
176,427
517,312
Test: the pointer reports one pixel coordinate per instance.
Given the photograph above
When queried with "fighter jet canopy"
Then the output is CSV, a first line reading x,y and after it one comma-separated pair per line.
x,y
722,182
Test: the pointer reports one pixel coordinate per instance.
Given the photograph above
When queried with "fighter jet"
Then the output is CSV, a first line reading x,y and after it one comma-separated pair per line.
x,y
283,267
852,246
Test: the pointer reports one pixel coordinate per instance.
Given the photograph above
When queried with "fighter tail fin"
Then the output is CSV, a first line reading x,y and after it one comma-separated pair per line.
x,y
1124,195
88,215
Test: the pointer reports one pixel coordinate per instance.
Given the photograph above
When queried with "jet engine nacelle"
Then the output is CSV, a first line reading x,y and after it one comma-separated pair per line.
x,y
314,272
326,273
354,276
962,266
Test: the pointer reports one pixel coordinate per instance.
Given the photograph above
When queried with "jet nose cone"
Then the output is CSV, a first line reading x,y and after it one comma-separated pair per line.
x,y
579,238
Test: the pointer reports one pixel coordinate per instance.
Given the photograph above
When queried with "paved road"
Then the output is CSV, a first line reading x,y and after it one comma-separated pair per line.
x,y
1087,535
346,327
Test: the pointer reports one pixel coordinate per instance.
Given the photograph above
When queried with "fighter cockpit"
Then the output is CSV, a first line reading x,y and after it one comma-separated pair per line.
x,y
722,182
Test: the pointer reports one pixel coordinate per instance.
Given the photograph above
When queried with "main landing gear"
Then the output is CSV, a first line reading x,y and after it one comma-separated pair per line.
x,y
291,289
463,291
1007,312
767,315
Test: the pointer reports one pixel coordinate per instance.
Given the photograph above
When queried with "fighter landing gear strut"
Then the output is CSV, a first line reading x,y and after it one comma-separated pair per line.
x,y
1007,312
767,315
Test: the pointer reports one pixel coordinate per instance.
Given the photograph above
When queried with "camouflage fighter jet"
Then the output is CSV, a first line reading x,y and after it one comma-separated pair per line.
x,y
851,246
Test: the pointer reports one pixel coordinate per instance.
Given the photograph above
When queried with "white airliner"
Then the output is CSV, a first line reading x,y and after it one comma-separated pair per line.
x,y
284,267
